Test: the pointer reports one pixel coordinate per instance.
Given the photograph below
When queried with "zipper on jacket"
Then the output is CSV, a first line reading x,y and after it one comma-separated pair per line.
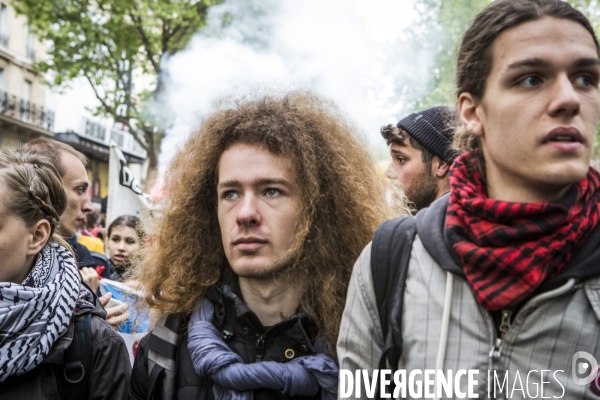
x,y
505,322
496,349
260,348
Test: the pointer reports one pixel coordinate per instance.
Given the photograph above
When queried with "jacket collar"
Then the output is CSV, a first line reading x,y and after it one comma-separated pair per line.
x,y
231,311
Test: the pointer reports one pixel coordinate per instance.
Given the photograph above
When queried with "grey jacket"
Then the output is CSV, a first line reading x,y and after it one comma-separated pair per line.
x,y
544,334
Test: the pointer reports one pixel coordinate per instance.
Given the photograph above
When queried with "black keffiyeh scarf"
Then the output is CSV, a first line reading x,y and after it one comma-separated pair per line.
x,y
37,312
507,249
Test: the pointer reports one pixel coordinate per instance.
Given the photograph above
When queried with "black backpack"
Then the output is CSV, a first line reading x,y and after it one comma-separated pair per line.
x,y
390,256
73,377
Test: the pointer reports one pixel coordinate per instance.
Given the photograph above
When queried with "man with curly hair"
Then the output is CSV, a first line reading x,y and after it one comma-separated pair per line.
x,y
268,204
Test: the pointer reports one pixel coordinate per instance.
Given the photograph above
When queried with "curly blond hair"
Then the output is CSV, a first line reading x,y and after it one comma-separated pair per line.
x,y
342,204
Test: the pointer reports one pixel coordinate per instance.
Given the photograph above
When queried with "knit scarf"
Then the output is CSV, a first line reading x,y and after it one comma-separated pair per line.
x,y
232,379
508,250
34,314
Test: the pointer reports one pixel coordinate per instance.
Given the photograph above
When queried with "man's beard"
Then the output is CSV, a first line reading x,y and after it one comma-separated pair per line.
x,y
424,190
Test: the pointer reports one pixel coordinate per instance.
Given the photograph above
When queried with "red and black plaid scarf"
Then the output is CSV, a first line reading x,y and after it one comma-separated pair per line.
x,y
509,249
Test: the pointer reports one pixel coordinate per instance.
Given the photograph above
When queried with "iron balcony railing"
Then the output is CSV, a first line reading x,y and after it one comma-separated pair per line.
x,y
26,111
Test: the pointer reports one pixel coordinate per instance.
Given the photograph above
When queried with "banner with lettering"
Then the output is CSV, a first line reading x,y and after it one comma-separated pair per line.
x,y
124,192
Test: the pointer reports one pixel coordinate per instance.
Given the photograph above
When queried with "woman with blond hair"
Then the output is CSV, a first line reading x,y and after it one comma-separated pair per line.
x,y
54,342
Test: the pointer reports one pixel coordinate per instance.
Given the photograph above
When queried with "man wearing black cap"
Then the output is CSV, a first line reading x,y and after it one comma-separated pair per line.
x,y
422,162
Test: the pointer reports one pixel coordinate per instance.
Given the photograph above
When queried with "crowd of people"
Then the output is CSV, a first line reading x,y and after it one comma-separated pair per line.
x,y
276,260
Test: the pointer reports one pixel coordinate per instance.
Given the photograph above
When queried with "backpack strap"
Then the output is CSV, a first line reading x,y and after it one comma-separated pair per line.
x,y
162,357
73,379
390,256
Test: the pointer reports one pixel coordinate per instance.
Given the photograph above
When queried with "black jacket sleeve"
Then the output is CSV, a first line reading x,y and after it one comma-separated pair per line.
x,y
111,369
139,377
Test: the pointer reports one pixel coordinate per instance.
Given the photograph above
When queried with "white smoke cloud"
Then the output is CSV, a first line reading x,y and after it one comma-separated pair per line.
x,y
354,52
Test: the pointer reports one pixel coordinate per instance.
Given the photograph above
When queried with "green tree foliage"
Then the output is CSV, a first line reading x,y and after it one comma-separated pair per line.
x,y
441,27
109,43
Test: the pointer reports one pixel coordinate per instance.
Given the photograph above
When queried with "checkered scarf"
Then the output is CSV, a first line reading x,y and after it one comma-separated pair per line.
x,y
508,250
34,314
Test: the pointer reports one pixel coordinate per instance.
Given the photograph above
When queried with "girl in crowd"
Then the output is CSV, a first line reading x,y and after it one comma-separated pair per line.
x,y
45,311
125,237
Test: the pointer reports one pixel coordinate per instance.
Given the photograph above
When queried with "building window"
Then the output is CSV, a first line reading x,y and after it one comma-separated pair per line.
x,y
2,80
25,102
3,25
136,147
26,90
94,130
29,51
117,137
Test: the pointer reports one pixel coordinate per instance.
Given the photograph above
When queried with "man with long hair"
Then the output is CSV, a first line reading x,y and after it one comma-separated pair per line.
x,y
268,205
502,276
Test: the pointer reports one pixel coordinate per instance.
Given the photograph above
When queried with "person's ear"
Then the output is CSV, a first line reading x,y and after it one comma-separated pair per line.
x,y
40,233
440,167
468,112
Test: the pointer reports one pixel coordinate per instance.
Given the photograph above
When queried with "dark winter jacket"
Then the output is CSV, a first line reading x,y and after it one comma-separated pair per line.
x,y
111,368
244,334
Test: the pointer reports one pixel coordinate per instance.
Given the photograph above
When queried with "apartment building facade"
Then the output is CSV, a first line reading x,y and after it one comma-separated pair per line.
x,y
23,115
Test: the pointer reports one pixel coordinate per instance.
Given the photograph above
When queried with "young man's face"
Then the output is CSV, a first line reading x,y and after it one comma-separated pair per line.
x,y
75,181
418,181
258,206
540,108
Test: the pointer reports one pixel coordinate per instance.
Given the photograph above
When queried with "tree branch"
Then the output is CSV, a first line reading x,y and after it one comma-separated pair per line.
x,y
121,77
118,118
147,45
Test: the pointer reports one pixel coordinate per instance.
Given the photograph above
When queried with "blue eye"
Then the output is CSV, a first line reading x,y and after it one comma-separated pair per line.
x,y
531,81
230,195
272,192
585,80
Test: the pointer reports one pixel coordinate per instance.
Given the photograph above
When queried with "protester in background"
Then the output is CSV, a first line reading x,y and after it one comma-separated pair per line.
x,y
70,165
100,229
103,206
267,204
125,238
503,273
41,295
421,150
90,224
86,238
